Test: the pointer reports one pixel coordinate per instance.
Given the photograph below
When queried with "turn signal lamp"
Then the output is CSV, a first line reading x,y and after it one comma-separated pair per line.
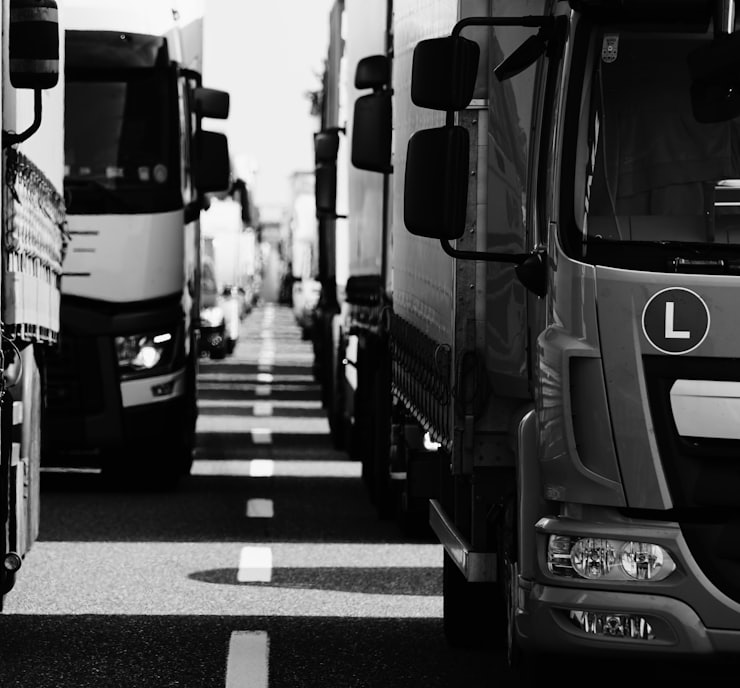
x,y
607,559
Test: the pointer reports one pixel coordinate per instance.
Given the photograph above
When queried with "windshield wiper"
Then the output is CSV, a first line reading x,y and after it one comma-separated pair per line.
x,y
705,266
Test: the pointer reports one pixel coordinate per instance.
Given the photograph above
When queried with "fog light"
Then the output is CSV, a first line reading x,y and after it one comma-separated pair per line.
x,y
613,624
163,390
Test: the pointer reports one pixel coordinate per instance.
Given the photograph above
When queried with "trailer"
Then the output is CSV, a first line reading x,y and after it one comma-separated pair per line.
x,y
562,182
138,165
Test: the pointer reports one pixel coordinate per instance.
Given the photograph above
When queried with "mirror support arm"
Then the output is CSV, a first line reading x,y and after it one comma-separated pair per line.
x,y
10,138
516,258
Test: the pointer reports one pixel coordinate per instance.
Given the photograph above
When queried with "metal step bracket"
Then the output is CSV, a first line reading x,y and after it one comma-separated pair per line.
x,y
477,567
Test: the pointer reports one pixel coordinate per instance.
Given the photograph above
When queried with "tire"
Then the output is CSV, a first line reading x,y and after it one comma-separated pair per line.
x,y
472,611
219,353
337,421
381,431
523,667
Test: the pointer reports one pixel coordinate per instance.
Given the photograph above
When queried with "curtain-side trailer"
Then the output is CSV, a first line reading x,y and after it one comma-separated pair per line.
x,y
33,247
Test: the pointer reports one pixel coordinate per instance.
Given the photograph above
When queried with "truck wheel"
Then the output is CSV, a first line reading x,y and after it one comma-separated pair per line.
x,y
471,610
381,431
521,665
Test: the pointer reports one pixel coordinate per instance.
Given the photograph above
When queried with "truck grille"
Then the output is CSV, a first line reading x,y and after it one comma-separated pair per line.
x,y
703,474
73,377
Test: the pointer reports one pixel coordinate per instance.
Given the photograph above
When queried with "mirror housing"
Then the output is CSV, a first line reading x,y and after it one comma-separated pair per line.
x,y
436,182
714,70
210,102
326,190
212,171
373,72
371,132
443,73
33,44
326,146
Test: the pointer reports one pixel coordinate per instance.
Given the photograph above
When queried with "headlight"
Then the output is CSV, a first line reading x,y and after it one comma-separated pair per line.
x,y
212,317
140,352
607,559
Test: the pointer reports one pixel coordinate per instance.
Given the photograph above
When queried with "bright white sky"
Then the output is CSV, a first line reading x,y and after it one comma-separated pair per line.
x,y
267,54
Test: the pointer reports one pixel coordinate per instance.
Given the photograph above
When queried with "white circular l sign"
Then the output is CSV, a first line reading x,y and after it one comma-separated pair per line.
x,y
675,320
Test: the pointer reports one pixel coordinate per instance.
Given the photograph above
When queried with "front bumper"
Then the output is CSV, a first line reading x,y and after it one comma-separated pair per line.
x,y
543,624
136,412
685,612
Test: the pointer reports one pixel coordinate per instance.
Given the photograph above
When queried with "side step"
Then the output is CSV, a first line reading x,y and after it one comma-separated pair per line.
x,y
477,567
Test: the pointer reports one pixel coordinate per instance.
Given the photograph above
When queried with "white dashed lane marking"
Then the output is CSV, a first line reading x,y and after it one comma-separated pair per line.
x,y
255,565
261,468
260,508
261,435
262,408
247,665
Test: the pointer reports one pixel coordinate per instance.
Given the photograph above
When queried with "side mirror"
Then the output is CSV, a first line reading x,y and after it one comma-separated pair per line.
x,y
436,182
714,69
373,72
33,44
326,190
212,172
210,102
371,132
326,146
443,73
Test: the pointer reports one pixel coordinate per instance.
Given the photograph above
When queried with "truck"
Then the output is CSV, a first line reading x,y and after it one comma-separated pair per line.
x,y
302,252
562,381
34,242
229,234
122,392
353,213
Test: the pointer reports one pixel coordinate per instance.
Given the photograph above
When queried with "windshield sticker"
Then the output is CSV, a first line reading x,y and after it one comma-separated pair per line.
x,y
160,173
145,174
114,172
610,47
675,320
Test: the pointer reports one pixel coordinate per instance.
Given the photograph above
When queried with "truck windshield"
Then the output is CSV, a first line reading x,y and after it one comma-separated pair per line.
x,y
121,142
647,170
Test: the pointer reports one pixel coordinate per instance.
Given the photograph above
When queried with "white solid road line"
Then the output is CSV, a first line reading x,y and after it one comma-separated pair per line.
x,y
247,665
255,565
261,468
260,508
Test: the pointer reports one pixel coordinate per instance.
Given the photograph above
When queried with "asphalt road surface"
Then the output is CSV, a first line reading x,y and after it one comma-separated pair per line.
x,y
267,566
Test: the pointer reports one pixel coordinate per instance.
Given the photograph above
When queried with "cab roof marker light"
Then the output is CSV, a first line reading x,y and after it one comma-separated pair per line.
x,y
608,559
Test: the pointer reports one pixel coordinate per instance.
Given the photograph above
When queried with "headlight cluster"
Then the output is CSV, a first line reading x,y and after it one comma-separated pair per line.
x,y
212,317
142,352
607,559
